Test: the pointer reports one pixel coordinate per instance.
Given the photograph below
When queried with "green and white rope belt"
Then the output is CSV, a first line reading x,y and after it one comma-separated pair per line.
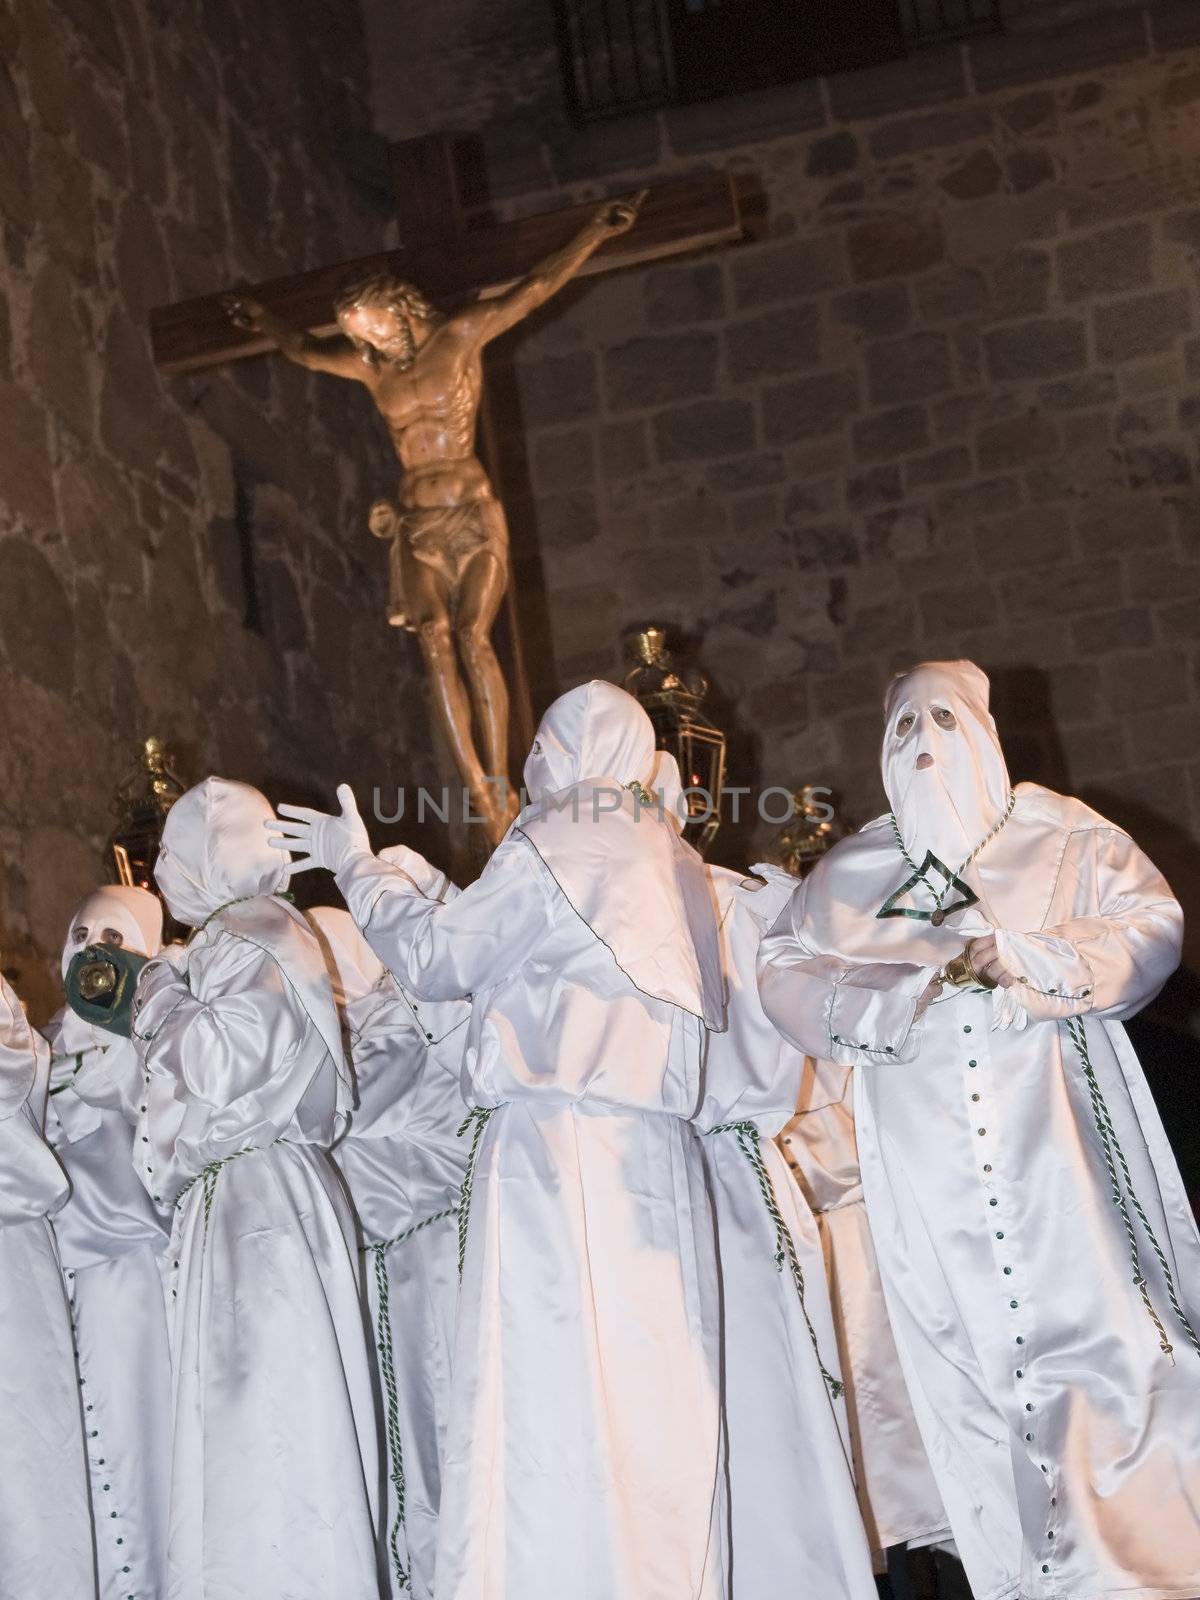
x,y
208,1175
477,1118
1124,1196
387,1373
749,1142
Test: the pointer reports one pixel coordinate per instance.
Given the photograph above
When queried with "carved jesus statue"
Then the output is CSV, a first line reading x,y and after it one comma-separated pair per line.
x,y
424,372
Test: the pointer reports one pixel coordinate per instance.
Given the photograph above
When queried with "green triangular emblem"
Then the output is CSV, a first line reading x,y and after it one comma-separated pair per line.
x,y
889,908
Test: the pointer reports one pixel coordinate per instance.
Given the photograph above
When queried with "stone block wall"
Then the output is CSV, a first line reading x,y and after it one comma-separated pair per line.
x,y
948,405
181,556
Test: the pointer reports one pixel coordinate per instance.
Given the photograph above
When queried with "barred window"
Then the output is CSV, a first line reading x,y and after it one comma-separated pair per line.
x,y
619,55
926,21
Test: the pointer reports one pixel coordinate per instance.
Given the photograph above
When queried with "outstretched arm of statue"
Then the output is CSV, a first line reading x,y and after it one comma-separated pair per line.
x,y
492,317
337,356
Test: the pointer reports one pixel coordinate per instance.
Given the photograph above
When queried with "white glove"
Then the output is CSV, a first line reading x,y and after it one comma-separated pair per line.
x,y
1007,1010
174,955
319,840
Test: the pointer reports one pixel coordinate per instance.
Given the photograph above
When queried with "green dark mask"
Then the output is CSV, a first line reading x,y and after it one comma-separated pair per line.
x,y
101,982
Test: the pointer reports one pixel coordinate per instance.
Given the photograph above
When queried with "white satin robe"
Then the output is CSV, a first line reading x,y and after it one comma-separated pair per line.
x,y
583,1458
896,1491
46,1550
275,1461
404,1163
110,1240
1065,1444
795,1524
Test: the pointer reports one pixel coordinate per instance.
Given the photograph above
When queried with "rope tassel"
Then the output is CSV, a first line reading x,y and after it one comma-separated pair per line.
x,y
749,1142
1125,1195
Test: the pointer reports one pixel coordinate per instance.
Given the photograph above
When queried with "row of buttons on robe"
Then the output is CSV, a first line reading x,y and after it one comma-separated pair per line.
x,y
416,1011
54,1128
1014,1304
95,1463
145,1138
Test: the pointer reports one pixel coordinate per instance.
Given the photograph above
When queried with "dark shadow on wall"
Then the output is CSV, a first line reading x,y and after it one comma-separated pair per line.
x,y
1166,1037
1023,708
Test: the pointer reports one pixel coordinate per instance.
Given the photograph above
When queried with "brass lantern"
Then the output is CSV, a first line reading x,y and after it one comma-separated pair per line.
x,y
142,801
811,830
673,698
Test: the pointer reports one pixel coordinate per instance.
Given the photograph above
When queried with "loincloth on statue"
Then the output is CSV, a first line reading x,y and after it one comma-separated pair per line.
x,y
447,538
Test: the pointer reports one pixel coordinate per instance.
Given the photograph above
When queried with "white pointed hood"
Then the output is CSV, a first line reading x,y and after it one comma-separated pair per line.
x,y
215,851
863,901
596,732
950,803
135,914
617,859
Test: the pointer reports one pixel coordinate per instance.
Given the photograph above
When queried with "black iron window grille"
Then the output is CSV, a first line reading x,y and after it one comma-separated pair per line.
x,y
616,54
931,21
622,55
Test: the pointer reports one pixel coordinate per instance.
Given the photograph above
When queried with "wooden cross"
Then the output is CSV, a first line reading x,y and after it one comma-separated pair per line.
x,y
452,262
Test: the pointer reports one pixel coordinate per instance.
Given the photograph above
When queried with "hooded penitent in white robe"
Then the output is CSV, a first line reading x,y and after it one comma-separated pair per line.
x,y
45,1520
404,1165
896,1490
275,1461
795,1522
110,1240
1040,1262
583,1459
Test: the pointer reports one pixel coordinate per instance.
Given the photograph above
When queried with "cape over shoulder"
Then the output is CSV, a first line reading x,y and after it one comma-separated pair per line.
x,y
225,957
640,889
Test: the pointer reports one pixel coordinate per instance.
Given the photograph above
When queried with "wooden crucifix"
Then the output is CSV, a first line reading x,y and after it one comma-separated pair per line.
x,y
423,369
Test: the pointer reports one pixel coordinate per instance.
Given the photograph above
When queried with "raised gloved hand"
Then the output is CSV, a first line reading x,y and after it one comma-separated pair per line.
x,y
317,839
